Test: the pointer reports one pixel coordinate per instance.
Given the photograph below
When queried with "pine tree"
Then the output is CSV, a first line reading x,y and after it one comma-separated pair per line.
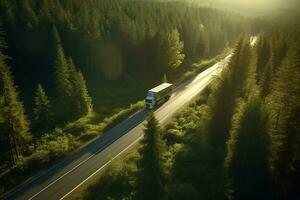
x,y
82,98
284,105
56,37
247,151
15,125
267,78
28,14
43,111
239,66
174,49
226,89
150,183
73,71
222,103
263,56
62,76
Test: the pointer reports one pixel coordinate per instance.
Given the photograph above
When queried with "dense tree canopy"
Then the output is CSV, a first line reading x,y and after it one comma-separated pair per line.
x,y
150,183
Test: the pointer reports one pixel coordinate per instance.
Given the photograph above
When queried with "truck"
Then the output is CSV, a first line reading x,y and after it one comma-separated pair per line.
x,y
158,95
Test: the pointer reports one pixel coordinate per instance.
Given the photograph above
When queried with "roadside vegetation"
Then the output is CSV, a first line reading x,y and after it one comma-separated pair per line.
x,y
239,139
69,70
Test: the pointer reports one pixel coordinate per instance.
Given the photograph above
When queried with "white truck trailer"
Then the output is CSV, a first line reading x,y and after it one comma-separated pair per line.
x,y
158,95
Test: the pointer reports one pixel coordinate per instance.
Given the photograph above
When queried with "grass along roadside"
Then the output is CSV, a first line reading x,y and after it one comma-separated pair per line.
x,y
118,169
55,145
201,66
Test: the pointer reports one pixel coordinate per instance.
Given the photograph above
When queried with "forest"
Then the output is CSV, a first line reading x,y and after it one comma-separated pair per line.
x,y
72,69
240,139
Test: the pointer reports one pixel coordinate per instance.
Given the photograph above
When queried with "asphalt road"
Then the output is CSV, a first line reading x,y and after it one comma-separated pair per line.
x,y
60,180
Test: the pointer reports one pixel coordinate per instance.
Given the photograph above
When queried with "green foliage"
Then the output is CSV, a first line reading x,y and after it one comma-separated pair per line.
x,y
260,122
226,89
14,124
198,67
43,109
57,143
196,171
156,37
52,146
150,178
174,49
116,181
263,56
121,115
141,41
221,103
283,103
83,103
71,85
247,151
62,77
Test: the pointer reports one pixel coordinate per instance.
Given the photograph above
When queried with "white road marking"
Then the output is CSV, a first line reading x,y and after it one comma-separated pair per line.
x,y
102,167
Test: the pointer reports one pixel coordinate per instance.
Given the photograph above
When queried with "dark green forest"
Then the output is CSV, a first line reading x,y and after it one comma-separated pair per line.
x,y
239,139
72,69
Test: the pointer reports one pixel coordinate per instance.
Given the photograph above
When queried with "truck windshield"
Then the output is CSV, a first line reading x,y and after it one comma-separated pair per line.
x,y
150,94
148,101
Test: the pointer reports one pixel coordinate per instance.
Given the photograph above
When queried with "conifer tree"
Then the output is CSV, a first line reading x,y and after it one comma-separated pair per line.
x,y
263,56
284,105
222,101
267,78
239,66
73,71
247,151
174,49
28,14
43,111
62,75
82,98
56,37
16,125
150,183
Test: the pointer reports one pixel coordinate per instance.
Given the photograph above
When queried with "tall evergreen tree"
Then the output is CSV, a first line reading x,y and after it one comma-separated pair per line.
x,y
226,89
82,98
16,125
150,183
174,49
267,78
284,105
247,151
62,75
43,111
222,103
263,56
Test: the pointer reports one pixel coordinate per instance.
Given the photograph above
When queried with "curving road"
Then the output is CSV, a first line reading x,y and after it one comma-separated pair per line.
x,y
60,180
